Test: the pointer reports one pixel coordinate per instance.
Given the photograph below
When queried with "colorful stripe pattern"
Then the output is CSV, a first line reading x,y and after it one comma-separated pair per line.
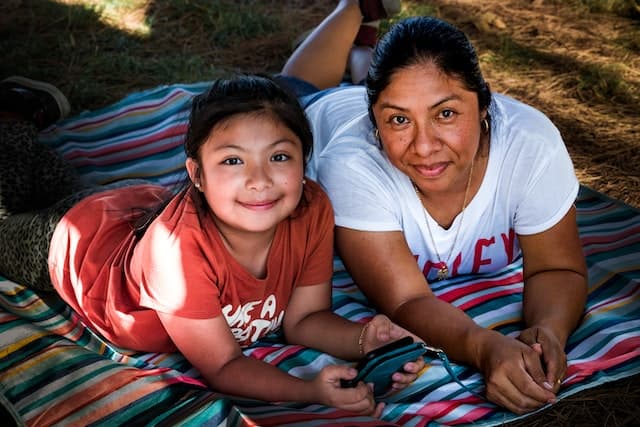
x,y
55,371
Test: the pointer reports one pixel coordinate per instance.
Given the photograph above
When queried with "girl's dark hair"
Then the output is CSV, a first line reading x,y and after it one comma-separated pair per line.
x,y
242,95
227,98
423,39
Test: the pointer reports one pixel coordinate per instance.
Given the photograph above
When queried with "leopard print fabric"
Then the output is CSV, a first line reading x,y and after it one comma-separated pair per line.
x,y
37,187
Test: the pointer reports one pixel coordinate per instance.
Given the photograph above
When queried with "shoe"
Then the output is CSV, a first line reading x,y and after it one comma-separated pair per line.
x,y
374,10
367,35
37,101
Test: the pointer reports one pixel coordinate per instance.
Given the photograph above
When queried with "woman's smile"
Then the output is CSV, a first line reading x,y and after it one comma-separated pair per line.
x,y
431,170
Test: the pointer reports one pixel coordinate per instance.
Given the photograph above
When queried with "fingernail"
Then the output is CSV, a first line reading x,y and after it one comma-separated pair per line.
x,y
547,385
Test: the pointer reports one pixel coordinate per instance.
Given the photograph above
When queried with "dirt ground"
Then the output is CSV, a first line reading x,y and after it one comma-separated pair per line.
x,y
584,73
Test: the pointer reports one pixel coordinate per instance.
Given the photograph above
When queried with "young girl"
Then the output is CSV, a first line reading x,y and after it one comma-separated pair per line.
x,y
245,248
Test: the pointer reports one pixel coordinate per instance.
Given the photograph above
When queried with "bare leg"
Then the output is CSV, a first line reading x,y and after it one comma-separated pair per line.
x,y
322,58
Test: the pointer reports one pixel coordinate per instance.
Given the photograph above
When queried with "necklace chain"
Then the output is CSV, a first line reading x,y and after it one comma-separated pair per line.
x,y
443,271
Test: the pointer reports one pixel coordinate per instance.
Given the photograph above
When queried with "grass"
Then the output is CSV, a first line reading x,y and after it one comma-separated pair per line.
x,y
626,8
97,51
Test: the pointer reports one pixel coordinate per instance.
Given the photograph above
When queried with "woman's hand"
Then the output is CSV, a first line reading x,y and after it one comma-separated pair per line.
x,y
380,331
358,399
408,374
551,353
514,374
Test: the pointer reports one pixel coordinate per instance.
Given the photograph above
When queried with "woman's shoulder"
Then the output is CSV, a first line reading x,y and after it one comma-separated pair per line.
x,y
521,128
514,114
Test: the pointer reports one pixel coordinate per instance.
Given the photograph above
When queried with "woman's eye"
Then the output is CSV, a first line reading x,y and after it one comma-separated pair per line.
x,y
232,161
280,157
447,114
399,120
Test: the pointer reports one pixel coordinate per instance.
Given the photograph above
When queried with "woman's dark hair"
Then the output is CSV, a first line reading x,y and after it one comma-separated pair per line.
x,y
423,39
227,98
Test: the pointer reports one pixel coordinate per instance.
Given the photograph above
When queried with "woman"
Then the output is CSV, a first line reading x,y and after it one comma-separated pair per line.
x,y
432,176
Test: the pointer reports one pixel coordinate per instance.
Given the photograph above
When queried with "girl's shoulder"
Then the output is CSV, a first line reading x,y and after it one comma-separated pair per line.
x,y
315,203
314,196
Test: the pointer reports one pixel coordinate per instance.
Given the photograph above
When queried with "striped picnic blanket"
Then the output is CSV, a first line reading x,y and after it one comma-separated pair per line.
x,y
55,371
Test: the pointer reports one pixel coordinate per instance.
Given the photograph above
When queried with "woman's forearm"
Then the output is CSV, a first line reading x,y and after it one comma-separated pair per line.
x,y
555,300
442,325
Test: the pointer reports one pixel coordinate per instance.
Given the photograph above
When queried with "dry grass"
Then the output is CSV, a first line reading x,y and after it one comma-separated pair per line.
x,y
582,69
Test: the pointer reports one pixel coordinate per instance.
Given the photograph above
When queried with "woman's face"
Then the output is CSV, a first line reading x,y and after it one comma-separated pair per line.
x,y
251,171
429,126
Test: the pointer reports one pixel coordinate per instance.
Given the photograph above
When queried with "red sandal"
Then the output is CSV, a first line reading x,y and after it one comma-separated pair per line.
x,y
374,10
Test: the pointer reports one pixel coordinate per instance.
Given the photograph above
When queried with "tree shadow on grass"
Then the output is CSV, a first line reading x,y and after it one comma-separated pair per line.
x,y
595,108
95,62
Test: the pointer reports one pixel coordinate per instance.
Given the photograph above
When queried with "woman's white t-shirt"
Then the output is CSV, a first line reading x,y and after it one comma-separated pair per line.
x,y
528,187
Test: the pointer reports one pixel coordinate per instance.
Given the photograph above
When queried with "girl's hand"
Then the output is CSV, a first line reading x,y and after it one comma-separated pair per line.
x,y
551,353
380,331
358,399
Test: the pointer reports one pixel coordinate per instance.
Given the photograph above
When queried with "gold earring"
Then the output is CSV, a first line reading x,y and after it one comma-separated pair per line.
x,y
484,125
376,133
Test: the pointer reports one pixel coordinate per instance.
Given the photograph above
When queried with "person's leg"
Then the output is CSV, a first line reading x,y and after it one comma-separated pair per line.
x,y
25,239
324,55
321,59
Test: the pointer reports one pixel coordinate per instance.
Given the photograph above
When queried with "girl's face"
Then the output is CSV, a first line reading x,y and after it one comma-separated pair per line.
x,y
251,172
429,125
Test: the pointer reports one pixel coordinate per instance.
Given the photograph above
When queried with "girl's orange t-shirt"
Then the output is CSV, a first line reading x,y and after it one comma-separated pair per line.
x,y
116,281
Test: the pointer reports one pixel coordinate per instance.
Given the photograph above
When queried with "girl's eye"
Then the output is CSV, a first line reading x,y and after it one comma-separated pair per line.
x,y
280,157
232,161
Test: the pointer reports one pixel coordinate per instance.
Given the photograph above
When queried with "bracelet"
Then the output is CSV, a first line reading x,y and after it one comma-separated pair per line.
x,y
361,338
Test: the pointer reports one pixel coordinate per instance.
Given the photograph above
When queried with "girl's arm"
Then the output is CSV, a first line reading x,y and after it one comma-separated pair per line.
x,y
310,322
210,347
555,292
384,268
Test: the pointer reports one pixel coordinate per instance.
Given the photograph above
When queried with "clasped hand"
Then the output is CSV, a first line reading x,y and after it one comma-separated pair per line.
x,y
523,374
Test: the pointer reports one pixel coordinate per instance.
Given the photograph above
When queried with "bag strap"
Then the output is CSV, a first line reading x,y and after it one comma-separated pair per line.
x,y
440,354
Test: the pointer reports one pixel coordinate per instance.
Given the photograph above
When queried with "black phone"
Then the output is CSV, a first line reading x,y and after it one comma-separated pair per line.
x,y
378,365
